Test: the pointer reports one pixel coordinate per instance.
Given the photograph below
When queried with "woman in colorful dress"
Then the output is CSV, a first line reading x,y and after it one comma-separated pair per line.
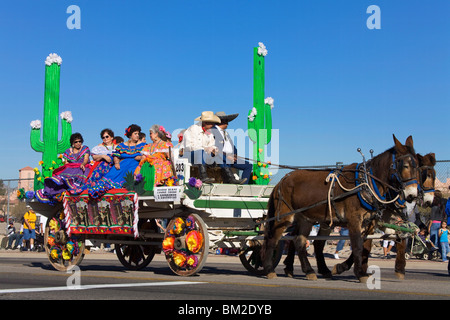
x,y
102,155
126,156
157,155
71,175
103,162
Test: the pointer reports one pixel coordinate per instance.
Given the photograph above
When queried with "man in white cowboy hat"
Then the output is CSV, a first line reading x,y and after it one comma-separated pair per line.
x,y
198,143
226,156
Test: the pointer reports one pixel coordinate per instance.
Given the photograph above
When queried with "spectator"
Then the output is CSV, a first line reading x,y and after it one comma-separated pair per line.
x,y
13,235
29,232
436,217
387,246
443,240
340,245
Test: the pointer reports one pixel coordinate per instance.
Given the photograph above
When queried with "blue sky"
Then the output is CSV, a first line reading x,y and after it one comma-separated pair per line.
x,y
336,84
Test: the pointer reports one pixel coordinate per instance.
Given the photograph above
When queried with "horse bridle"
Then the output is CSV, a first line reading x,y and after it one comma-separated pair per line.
x,y
397,165
423,177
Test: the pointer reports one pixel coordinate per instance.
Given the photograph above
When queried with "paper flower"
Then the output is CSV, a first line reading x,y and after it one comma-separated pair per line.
x,y
54,225
190,223
252,115
269,101
53,58
29,195
262,51
192,261
194,241
51,240
55,253
35,124
198,183
67,115
192,182
179,258
178,226
168,243
66,255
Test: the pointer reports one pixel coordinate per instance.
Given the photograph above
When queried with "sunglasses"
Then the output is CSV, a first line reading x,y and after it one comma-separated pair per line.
x,y
78,141
104,137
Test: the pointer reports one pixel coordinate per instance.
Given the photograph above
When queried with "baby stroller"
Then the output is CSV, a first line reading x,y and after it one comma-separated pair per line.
x,y
420,249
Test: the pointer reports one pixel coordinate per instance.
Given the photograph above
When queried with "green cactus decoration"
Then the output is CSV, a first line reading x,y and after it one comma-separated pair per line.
x,y
260,118
49,145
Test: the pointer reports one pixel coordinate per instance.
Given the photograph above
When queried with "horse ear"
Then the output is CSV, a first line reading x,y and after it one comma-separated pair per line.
x,y
420,158
409,142
398,145
432,157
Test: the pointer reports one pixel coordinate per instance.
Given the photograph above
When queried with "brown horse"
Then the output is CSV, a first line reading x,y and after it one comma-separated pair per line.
x,y
427,177
306,197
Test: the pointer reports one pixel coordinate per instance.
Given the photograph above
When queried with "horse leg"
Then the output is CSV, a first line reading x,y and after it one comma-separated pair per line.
x,y
270,243
356,242
400,260
289,261
318,251
344,266
300,246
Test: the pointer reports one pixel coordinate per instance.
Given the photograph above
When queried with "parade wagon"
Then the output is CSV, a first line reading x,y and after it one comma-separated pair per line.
x,y
184,222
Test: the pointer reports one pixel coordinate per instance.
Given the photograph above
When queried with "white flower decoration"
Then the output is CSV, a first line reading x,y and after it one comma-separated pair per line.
x,y
35,124
262,51
269,101
53,58
252,115
67,115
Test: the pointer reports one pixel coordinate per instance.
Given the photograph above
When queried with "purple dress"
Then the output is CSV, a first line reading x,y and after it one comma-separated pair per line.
x,y
68,177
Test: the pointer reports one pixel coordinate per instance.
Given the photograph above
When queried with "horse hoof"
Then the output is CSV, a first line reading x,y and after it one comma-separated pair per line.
x,y
363,279
400,276
311,276
271,275
334,271
289,273
327,275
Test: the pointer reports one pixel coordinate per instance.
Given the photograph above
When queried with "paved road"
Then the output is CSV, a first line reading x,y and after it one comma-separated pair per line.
x,y
30,276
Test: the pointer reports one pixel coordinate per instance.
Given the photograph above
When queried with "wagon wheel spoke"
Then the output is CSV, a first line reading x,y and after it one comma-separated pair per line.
x,y
135,257
186,244
251,257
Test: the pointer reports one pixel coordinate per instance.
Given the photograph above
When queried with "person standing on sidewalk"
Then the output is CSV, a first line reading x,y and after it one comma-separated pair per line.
x,y
29,225
443,240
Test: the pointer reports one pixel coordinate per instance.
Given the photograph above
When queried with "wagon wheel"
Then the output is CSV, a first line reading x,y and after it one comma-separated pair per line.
x,y
251,257
62,251
135,257
186,244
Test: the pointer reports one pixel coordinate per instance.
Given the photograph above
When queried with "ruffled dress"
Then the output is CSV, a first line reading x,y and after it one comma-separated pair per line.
x,y
115,178
68,177
156,155
94,186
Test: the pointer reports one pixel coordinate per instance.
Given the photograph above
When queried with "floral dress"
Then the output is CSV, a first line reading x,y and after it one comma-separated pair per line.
x,y
156,155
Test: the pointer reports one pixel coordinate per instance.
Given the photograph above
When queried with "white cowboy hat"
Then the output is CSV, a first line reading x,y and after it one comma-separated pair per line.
x,y
208,116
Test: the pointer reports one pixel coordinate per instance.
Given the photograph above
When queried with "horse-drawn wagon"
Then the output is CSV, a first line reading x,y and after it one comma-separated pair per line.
x,y
198,220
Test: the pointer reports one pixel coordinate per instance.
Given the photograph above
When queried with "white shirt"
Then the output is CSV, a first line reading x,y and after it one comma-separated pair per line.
x,y
194,138
227,143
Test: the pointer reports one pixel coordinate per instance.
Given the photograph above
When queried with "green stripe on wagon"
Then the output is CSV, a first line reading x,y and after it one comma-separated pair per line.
x,y
224,204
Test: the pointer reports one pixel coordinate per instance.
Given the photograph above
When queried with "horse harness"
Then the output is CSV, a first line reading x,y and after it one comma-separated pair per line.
x,y
370,197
